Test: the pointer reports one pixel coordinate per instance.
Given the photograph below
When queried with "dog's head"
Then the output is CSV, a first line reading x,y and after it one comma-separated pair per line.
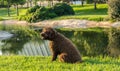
x,y
48,33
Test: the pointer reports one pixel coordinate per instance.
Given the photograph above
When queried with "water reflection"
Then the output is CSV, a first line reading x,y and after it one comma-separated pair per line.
x,y
34,48
5,35
28,48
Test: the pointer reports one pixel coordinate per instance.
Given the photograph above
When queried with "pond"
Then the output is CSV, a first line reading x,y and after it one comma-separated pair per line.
x,y
89,42
29,48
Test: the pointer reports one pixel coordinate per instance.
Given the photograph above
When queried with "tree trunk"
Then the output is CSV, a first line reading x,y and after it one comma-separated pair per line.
x,y
8,7
40,3
27,4
30,3
35,2
95,4
52,3
82,2
17,10
3,2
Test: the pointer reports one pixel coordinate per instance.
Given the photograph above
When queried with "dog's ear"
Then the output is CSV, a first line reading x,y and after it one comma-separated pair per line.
x,y
53,33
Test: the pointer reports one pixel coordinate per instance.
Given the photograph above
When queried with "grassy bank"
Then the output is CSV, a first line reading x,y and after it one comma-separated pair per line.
x,y
86,12
23,63
4,15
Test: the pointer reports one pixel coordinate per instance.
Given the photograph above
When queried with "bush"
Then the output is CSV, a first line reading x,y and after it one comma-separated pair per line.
x,y
42,14
37,13
114,42
63,9
114,9
32,9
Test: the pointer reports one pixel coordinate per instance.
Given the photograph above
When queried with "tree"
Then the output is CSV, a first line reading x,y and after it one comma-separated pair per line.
x,y
16,3
35,2
82,2
8,1
95,4
30,1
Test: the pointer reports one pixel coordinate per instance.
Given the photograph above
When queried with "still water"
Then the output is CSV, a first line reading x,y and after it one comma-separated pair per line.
x,y
10,46
30,48
89,44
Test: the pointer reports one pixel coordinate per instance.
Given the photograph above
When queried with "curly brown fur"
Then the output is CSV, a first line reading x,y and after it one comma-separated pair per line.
x,y
62,46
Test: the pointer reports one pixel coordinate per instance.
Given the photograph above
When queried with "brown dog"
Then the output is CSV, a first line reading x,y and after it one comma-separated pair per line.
x,y
61,46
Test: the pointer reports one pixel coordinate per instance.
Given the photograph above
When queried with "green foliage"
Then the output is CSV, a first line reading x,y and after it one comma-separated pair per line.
x,y
32,9
114,9
37,13
16,2
37,63
63,9
114,42
87,12
42,14
3,4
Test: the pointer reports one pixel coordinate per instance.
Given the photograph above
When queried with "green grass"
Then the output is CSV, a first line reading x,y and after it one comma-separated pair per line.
x,y
88,12
4,15
37,63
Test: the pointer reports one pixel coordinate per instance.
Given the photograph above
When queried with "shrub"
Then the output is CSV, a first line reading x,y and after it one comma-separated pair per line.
x,y
63,9
42,14
37,13
114,9
114,42
32,9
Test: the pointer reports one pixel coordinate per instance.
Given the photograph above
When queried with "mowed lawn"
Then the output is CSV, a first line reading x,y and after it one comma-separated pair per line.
x,y
85,12
88,12
4,13
37,63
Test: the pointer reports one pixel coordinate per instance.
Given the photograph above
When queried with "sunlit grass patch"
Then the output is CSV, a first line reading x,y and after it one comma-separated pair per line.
x,y
87,12
13,15
38,63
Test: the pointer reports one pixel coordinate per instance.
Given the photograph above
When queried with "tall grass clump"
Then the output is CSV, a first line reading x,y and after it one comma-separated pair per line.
x,y
114,42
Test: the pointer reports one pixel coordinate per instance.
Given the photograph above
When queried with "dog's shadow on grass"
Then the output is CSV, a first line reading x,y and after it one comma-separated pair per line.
x,y
90,61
